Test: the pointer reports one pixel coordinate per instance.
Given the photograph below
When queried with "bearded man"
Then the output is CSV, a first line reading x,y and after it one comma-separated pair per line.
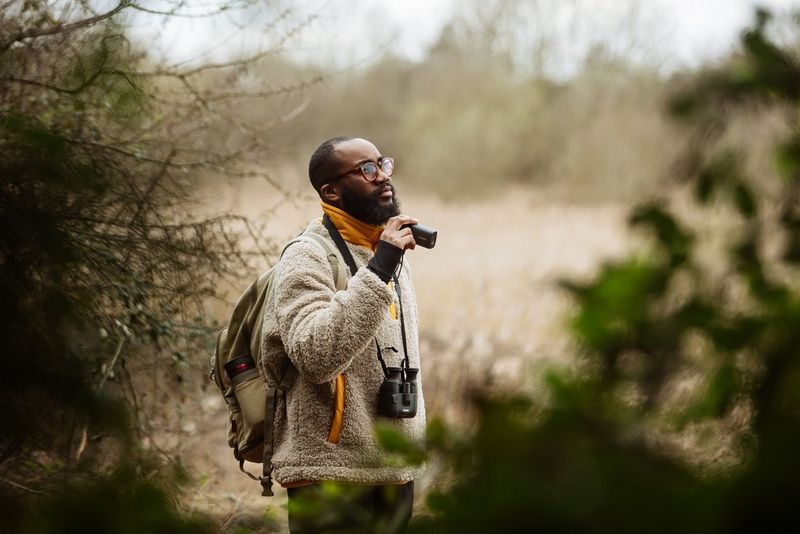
x,y
341,343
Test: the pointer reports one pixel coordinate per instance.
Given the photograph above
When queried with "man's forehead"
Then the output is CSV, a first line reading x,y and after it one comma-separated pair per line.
x,y
355,150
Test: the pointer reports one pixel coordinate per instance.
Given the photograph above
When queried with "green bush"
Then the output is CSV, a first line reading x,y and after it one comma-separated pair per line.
x,y
593,458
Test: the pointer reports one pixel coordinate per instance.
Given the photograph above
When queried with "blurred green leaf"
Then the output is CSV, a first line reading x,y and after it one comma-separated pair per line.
x,y
616,303
788,159
718,394
391,439
588,459
675,240
744,200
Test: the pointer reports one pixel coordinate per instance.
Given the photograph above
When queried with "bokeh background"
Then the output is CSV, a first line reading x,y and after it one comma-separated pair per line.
x,y
154,161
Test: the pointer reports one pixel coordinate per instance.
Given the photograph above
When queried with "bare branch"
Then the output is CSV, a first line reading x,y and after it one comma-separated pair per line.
x,y
249,60
22,487
83,85
64,28
110,367
36,83
281,90
140,157
176,13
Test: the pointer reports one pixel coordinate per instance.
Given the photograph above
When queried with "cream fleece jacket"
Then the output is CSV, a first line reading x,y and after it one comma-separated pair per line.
x,y
327,332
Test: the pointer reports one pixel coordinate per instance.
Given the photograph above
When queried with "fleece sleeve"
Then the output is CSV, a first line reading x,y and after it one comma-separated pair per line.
x,y
323,329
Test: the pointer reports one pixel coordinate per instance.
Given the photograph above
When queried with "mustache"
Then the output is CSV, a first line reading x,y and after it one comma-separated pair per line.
x,y
378,192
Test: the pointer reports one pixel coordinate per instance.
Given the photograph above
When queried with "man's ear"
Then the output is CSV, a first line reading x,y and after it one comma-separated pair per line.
x,y
330,193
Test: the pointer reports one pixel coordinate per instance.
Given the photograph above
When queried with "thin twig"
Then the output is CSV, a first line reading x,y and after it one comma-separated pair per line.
x,y
249,60
35,83
175,13
110,368
282,90
140,157
20,486
63,28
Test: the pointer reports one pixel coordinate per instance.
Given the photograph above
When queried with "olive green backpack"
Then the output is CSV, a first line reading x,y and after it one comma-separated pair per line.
x,y
250,399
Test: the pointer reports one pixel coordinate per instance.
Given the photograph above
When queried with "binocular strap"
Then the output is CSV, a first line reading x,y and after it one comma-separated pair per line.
x,y
351,263
405,364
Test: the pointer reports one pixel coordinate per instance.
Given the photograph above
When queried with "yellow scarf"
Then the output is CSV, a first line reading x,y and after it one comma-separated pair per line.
x,y
359,233
352,230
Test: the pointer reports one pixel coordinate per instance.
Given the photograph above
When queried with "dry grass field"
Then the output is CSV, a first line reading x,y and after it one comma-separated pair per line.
x,y
490,310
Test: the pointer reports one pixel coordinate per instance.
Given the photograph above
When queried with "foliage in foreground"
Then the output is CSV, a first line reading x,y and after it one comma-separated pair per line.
x,y
593,457
123,501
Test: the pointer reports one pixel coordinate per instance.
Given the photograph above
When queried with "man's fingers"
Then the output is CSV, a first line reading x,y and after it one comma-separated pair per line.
x,y
399,220
398,236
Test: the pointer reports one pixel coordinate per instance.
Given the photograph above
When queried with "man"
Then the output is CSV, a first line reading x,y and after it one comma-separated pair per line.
x,y
324,429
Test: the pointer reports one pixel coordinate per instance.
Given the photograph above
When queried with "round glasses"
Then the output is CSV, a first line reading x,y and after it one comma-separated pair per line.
x,y
369,169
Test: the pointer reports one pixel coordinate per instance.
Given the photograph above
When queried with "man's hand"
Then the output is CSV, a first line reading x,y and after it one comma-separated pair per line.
x,y
397,236
394,242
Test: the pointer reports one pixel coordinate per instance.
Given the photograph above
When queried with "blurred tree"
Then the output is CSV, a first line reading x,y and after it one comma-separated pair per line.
x,y
550,39
104,266
541,94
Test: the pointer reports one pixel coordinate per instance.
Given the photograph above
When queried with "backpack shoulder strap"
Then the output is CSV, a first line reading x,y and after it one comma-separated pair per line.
x,y
287,379
335,260
339,270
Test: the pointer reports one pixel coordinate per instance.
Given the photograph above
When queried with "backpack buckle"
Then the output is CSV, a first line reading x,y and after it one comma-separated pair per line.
x,y
266,485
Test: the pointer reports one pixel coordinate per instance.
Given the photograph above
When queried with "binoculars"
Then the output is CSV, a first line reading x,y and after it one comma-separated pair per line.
x,y
397,397
423,236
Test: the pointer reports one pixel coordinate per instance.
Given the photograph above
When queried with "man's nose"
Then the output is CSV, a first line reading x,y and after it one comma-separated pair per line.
x,y
382,177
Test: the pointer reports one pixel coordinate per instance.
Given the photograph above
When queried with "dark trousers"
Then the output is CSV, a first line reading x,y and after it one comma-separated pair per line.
x,y
342,508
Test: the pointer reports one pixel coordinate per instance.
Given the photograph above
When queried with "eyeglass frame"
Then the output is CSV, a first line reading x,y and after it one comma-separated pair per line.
x,y
378,164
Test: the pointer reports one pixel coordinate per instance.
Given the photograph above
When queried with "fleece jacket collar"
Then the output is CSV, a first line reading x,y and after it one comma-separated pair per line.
x,y
353,230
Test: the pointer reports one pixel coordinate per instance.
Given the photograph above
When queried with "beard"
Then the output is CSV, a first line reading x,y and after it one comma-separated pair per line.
x,y
368,208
